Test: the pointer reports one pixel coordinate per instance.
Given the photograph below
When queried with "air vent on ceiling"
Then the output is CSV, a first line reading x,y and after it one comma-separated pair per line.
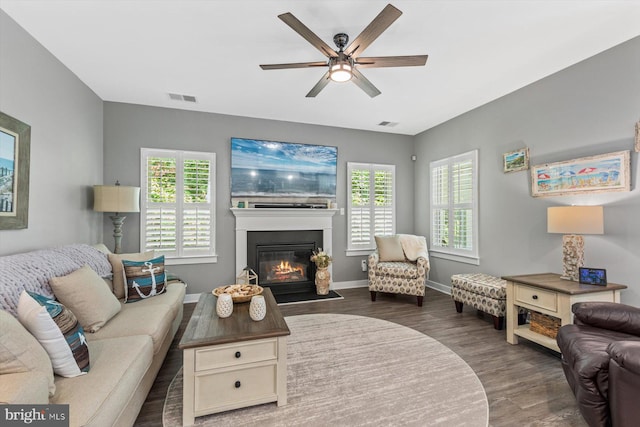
x,y
179,97
388,124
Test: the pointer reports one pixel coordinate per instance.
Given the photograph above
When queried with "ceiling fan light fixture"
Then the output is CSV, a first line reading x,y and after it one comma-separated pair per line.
x,y
341,71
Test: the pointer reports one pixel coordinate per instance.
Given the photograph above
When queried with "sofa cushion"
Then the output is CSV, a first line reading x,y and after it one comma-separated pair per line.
x,y
118,270
21,352
57,329
585,347
173,296
402,270
389,248
144,279
25,388
97,399
136,319
608,315
87,296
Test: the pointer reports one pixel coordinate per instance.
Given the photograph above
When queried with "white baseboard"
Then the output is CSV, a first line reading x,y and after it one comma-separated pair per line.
x,y
445,289
350,284
190,298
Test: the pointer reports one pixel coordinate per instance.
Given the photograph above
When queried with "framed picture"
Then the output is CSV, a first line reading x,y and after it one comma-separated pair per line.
x,y
592,276
15,140
595,174
638,137
516,160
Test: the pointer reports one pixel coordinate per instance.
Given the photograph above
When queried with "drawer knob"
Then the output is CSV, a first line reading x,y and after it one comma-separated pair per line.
x,y
237,384
238,354
535,297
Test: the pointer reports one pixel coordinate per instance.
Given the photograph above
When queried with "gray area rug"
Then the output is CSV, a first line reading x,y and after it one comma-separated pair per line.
x,y
346,370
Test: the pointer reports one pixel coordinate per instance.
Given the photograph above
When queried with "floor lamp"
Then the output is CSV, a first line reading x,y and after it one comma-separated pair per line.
x,y
118,199
573,221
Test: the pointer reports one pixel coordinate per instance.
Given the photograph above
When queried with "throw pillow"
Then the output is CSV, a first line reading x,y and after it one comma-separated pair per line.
x,y
389,248
57,329
118,270
21,352
87,296
144,279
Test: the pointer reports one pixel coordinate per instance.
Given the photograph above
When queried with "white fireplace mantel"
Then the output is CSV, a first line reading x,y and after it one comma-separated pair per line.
x,y
276,219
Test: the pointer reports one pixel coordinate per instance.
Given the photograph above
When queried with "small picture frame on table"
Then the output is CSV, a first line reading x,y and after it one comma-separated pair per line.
x,y
592,276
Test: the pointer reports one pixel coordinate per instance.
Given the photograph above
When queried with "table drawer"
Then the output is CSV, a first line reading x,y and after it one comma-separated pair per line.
x,y
235,387
225,355
537,297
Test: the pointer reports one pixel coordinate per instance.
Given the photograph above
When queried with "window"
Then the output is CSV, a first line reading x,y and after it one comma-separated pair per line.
x,y
178,205
454,208
371,205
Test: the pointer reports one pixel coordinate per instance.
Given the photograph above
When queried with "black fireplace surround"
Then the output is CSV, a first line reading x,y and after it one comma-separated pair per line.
x,y
282,259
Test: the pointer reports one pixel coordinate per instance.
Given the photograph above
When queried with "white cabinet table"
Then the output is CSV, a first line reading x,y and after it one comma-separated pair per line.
x,y
233,362
548,294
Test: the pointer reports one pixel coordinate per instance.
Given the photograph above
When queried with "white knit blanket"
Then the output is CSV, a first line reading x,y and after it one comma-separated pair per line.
x,y
31,271
414,246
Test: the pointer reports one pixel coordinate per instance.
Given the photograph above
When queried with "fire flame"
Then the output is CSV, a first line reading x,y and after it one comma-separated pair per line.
x,y
286,268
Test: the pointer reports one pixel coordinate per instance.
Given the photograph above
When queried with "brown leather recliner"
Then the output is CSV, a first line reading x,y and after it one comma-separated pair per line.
x,y
601,360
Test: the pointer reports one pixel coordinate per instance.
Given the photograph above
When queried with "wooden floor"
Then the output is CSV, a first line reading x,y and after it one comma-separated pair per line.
x,y
524,383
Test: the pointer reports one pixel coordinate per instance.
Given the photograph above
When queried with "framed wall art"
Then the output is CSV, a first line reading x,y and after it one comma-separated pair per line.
x,y
638,137
595,174
15,141
516,160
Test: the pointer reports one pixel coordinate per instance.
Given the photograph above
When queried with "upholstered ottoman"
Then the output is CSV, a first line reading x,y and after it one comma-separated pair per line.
x,y
482,292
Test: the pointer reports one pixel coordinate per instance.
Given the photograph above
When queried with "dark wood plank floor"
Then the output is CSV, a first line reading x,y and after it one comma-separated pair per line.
x,y
524,383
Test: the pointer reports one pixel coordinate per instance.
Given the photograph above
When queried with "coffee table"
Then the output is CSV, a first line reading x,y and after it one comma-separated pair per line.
x,y
233,362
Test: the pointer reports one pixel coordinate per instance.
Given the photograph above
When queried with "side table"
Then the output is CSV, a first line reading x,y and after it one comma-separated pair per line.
x,y
548,294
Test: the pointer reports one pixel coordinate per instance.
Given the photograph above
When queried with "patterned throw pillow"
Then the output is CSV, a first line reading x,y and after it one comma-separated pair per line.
x,y
58,331
144,279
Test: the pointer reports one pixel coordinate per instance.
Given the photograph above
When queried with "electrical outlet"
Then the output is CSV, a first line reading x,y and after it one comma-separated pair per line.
x,y
363,264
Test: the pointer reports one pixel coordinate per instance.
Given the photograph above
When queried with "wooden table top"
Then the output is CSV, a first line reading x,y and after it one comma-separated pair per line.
x,y
553,282
206,328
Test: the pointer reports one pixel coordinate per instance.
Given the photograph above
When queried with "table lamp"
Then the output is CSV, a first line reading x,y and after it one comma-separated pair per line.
x,y
573,221
118,199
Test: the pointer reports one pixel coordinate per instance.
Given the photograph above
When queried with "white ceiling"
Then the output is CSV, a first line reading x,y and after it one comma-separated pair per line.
x,y
139,51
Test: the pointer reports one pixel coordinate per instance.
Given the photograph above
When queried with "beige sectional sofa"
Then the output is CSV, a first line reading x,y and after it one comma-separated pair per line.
x,y
125,354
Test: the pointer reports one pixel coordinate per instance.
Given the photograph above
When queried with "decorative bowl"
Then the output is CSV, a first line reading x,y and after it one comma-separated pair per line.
x,y
239,293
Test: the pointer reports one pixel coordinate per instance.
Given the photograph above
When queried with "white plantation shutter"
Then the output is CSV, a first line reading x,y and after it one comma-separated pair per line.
x,y
177,212
454,207
360,210
371,204
384,206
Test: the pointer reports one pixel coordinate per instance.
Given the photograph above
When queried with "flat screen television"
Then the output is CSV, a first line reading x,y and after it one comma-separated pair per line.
x,y
282,170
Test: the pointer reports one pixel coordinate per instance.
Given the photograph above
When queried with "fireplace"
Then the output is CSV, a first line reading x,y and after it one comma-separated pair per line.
x,y
282,259
316,221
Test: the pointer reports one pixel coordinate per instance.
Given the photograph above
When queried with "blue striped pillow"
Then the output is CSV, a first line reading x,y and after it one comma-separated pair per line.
x,y
144,279
58,331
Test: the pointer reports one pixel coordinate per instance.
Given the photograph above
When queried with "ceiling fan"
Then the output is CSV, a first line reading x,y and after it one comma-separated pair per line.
x,y
344,63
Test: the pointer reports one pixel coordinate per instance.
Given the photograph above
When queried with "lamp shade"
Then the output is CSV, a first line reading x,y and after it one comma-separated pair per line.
x,y
116,198
575,219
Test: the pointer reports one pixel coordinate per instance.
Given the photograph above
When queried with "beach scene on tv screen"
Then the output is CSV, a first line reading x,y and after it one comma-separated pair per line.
x,y
282,169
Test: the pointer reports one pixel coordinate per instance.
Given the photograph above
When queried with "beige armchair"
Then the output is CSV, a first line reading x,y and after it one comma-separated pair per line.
x,y
400,265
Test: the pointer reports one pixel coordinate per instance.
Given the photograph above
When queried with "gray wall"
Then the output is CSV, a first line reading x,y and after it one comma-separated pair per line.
x,y
66,142
587,109
129,127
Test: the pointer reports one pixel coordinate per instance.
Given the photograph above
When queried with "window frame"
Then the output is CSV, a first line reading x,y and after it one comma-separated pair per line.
x,y
366,249
447,252
181,255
